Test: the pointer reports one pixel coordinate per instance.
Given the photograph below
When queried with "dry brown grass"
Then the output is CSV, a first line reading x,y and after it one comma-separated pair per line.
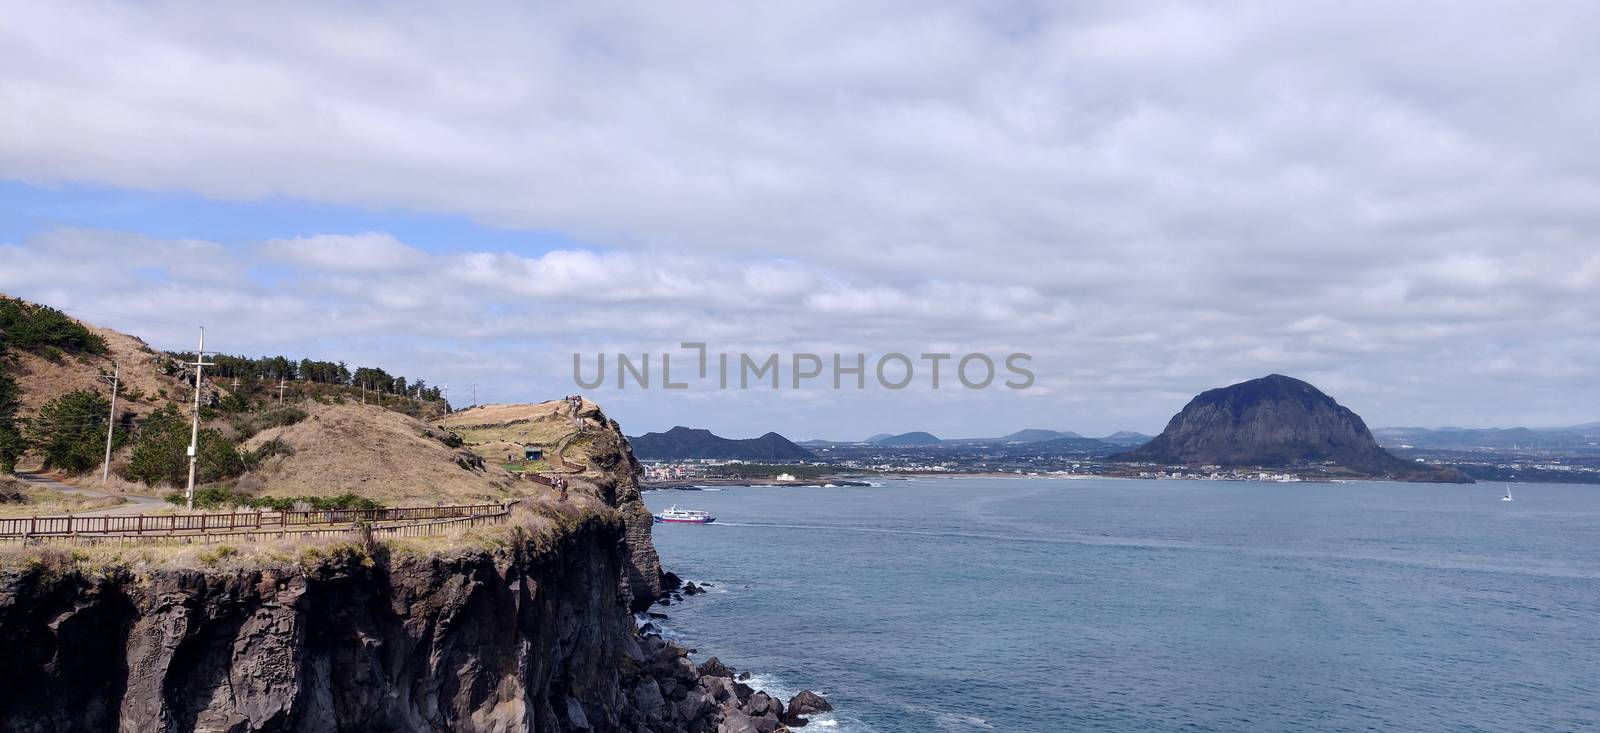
x,y
143,379
373,452
42,501
493,427
538,524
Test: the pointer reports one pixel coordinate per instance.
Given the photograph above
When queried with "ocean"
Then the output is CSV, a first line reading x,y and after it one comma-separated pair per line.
x,y
1036,604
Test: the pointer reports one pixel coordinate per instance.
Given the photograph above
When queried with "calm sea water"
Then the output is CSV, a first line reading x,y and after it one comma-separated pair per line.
x,y
1048,605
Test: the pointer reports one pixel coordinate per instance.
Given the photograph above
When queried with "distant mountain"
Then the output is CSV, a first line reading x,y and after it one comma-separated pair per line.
x,y
878,437
1277,421
1073,443
682,442
1485,438
1034,435
913,438
1127,437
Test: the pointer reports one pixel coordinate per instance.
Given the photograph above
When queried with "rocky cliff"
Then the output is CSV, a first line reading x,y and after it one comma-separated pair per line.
x,y
523,627
1277,421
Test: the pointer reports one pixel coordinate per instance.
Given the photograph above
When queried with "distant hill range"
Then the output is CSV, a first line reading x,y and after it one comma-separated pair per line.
x,y
682,442
1035,439
1577,437
913,438
1127,437
1278,422
1122,438
1035,435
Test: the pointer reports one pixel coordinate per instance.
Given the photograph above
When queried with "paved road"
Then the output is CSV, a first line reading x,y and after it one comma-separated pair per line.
x,y
135,504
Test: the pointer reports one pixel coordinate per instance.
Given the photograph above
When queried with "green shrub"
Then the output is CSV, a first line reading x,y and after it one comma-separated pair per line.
x,y
248,425
217,497
268,449
46,331
12,444
70,431
162,455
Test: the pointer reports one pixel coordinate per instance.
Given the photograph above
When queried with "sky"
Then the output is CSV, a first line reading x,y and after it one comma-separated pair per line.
x,y
1399,203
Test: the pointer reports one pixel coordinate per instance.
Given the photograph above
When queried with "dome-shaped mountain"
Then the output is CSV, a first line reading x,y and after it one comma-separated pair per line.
x,y
1277,421
682,442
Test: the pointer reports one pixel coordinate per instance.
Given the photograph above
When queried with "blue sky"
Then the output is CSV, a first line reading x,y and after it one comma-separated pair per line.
x,y
1151,200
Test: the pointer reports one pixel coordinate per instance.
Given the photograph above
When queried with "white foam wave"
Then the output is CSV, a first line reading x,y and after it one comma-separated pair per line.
x,y
956,721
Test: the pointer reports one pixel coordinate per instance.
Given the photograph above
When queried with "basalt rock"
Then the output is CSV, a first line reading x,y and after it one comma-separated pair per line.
x,y
807,702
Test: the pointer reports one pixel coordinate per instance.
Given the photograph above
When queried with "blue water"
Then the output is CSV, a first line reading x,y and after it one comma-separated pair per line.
x,y
1048,605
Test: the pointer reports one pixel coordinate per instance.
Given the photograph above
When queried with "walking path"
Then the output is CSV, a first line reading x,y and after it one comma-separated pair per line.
x,y
135,504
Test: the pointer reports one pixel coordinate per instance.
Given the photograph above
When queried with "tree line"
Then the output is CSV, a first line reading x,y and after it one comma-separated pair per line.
x,y
268,370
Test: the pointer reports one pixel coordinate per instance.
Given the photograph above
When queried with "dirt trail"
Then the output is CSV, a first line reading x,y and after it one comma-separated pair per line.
x,y
135,504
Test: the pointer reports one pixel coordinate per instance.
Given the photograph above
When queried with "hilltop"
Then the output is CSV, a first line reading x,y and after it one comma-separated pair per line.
x,y
375,453
1273,422
682,442
1034,435
912,438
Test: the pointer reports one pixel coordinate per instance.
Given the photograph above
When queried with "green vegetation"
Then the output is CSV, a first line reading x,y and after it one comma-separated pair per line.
x,y
45,331
12,444
247,425
70,431
217,497
263,374
527,467
162,453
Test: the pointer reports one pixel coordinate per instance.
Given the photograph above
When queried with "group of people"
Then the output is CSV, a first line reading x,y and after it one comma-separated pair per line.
x,y
576,403
560,484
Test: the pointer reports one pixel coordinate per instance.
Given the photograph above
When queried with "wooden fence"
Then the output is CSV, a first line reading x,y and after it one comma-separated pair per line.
x,y
245,524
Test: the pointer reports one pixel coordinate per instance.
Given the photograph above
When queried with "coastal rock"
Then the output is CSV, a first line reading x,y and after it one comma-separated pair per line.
x,y
647,699
762,704
715,668
807,702
737,722
690,589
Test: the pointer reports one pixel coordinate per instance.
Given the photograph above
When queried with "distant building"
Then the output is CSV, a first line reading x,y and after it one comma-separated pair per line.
x,y
785,477
530,453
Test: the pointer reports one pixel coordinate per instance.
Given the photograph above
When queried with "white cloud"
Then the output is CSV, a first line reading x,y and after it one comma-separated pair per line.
x,y
365,252
1154,198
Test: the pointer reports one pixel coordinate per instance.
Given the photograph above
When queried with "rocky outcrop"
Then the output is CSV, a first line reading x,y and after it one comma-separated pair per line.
x,y
526,631
522,638
613,458
1277,421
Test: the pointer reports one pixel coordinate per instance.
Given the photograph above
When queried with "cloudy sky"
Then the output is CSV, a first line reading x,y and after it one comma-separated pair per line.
x,y
1397,202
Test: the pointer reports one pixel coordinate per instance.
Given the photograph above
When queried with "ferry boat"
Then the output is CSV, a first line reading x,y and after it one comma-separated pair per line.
x,y
674,515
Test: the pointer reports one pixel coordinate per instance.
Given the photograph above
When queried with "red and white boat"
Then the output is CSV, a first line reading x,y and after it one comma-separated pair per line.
x,y
674,515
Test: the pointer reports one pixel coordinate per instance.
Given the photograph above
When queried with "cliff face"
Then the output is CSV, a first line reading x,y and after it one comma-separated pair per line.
x,y
613,459
528,631
518,639
1276,421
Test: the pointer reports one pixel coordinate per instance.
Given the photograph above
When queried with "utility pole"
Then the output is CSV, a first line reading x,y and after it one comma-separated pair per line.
x,y
282,385
194,431
474,395
111,421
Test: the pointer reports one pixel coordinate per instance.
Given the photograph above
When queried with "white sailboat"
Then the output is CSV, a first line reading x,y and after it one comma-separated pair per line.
x,y
1507,497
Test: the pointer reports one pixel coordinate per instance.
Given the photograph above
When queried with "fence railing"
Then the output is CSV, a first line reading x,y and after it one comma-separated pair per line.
x,y
177,524
266,533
